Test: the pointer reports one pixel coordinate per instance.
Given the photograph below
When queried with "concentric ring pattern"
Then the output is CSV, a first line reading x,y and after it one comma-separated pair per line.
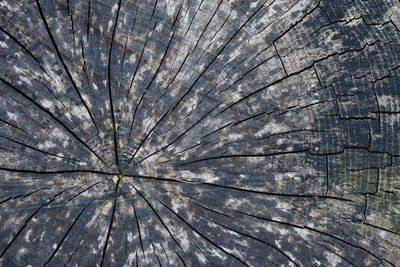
x,y
199,133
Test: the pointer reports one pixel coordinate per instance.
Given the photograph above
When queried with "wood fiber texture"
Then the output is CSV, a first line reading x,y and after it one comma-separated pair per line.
x,y
199,133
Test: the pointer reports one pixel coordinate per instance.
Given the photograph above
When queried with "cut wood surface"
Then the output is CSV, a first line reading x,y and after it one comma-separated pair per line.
x,y
199,133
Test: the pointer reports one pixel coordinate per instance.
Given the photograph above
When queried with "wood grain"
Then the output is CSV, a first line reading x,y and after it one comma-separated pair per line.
x,y
199,133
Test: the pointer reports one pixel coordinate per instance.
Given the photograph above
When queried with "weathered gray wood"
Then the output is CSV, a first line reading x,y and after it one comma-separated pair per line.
x,y
200,132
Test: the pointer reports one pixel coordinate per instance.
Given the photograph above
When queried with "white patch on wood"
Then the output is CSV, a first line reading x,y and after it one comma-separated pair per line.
x,y
131,258
47,144
3,44
184,241
333,259
201,258
271,128
65,143
80,113
175,205
27,236
87,100
388,101
47,103
12,116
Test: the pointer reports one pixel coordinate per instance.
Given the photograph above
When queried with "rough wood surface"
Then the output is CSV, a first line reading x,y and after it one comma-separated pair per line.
x,y
200,132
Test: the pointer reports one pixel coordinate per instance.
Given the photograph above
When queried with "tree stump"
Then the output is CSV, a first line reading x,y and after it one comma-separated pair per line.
x,y
200,133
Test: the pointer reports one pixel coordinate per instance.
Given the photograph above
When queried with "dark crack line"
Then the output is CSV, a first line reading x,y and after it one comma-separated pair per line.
x,y
215,34
365,208
177,15
280,59
83,191
23,195
157,215
348,243
72,22
244,156
165,253
180,258
296,73
65,66
144,93
233,124
66,234
88,21
110,226
53,117
287,133
25,49
110,92
31,217
151,82
313,230
20,44
123,55
138,226
56,171
191,199
73,253
176,139
337,254
257,239
5,200
194,146
144,140
80,244
13,125
244,75
327,174
37,149
154,9
204,254
194,16
198,40
154,250
210,210
203,236
130,33
55,97
215,57
381,228
165,179
137,66
40,80
217,130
